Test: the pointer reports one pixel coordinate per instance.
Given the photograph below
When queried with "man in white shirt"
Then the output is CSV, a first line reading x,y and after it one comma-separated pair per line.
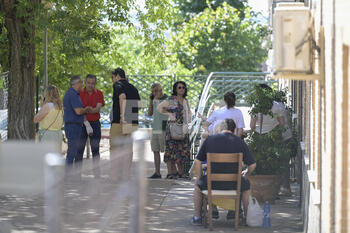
x,y
227,112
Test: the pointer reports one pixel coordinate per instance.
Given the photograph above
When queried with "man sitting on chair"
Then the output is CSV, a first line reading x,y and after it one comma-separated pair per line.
x,y
224,142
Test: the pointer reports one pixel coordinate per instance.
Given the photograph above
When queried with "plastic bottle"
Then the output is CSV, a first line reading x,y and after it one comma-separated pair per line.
x,y
267,221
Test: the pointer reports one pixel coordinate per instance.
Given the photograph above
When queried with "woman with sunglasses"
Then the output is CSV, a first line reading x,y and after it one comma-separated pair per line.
x,y
178,110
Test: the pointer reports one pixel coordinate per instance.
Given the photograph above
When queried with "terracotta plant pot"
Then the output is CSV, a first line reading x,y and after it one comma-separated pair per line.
x,y
265,187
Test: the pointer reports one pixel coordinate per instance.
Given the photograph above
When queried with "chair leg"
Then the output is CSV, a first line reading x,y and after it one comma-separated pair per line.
x,y
210,215
205,218
236,214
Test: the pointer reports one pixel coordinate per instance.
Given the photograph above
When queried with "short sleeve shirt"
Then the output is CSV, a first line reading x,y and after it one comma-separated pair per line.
x,y
269,122
92,101
224,113
159,119
225,143
132,98
71,101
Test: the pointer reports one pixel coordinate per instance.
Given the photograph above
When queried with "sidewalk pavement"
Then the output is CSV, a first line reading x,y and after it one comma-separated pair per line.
x,y
169,207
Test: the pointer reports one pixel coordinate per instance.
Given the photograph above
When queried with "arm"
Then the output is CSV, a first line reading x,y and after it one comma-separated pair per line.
x,y
122,104
82,111
239,132
97,108
253,122
150,108
251,168
42,113
163,106
281,121
198,168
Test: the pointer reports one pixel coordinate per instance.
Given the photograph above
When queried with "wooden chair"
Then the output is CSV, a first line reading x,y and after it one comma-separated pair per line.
x,y
210,194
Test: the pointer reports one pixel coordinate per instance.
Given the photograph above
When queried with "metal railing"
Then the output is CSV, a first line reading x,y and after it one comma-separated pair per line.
x,y
216,85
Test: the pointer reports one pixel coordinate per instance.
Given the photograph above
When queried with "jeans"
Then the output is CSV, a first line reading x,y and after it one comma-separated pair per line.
x,y
94,143
94,140
73,133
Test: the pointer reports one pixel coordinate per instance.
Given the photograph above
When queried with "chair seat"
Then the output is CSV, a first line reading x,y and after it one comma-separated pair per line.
x,y
221,192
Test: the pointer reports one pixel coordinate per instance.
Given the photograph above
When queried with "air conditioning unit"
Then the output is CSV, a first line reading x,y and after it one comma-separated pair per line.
x,y
292,38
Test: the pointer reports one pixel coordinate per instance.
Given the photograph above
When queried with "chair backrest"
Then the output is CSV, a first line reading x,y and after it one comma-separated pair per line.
x,y
235,176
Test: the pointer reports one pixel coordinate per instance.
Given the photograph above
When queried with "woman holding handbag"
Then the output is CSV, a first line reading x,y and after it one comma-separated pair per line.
x,y
50,117
177,145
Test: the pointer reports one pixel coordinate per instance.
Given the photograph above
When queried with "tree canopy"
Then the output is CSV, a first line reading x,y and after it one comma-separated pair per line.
x,y
219,40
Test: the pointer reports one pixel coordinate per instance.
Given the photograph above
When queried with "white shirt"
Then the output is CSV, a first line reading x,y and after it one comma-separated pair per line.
x,y
223,113
269,123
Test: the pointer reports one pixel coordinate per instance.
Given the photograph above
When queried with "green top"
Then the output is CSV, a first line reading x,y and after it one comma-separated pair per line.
x,y
159,120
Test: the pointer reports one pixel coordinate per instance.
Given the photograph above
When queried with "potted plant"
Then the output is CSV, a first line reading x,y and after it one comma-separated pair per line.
x,y
271,152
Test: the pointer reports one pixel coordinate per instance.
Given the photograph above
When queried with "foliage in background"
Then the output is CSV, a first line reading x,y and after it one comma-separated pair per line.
x,y
189,9
219,40
261,100
271,152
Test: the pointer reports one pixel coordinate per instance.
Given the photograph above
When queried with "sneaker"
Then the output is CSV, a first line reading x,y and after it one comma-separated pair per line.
x,y
215,214
230,215
196,221
243,221
171,176
155,176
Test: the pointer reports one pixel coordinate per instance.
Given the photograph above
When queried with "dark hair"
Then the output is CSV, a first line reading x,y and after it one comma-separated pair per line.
x,y
91,76
74,79
175,86
120,72
231,125
230,99
265,86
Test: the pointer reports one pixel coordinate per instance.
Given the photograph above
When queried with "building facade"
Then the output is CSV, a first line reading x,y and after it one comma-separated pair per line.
x,y
321,103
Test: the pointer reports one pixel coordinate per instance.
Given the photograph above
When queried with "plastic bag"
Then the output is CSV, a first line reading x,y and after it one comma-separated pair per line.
x,y
255,215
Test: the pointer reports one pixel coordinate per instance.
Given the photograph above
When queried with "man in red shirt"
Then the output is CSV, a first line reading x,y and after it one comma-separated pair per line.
x,y
91,97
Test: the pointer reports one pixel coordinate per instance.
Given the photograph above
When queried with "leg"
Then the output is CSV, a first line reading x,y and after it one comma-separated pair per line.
x,y
179,167
197,200
81,145
95,147
245,200
157,162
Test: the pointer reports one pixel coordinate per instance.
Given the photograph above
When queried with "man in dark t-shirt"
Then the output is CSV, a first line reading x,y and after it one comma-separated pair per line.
x,y
126,104
225,142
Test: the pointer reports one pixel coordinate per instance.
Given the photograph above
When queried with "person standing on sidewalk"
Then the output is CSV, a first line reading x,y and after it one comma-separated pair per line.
x,y
158,127
73,117
91,97
126,104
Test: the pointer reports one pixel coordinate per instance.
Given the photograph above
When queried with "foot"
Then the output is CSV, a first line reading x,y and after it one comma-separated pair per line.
x,y
155,176
171,176
243,221
195,221
215,214
184,176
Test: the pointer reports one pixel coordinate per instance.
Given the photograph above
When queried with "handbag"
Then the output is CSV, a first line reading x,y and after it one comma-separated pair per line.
x,y
255,215
178,131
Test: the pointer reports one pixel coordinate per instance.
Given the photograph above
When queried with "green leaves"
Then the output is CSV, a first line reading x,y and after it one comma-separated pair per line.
x,y
220,40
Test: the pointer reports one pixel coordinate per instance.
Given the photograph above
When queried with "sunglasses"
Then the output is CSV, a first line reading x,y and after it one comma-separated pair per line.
x,y
181,87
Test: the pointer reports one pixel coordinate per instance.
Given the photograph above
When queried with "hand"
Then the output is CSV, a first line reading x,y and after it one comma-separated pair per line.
x,y
172,117
122,120
244,172
88,109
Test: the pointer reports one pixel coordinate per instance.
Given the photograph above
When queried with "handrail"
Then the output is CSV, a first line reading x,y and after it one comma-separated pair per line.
x,y
5,74
196,122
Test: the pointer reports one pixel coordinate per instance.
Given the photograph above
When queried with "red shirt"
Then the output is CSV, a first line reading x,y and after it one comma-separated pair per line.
x,y
91,101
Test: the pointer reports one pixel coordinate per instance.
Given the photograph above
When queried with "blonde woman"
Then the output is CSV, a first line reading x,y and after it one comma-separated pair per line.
x,y
50,117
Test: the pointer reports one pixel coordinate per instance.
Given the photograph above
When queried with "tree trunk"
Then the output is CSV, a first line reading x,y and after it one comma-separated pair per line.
x,y
21,32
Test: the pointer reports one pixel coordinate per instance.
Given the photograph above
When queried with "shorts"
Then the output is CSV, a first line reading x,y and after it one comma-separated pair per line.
x,y
224,185
158,142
